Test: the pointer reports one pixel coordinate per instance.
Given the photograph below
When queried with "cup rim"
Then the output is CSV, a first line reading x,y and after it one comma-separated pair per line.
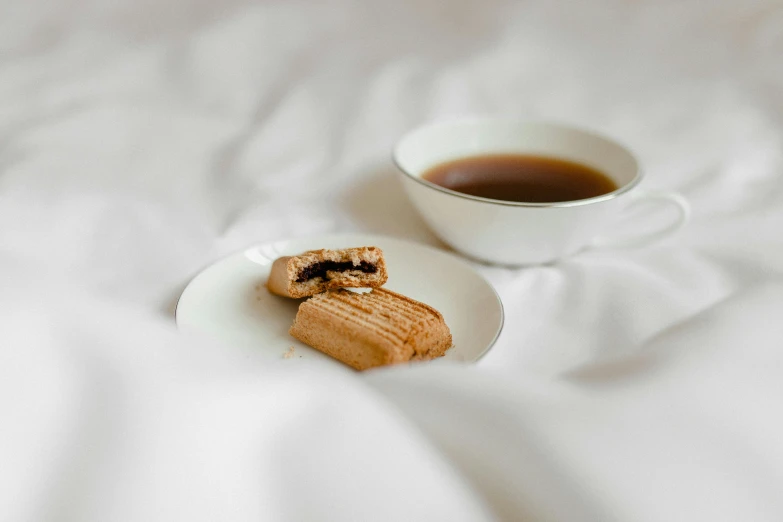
x,y
571,203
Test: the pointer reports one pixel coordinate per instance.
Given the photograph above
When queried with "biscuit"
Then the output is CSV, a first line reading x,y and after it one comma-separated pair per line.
x,y
376,328
319,270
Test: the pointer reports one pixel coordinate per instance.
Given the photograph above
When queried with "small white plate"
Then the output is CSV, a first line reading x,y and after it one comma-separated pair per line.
x,y
228,300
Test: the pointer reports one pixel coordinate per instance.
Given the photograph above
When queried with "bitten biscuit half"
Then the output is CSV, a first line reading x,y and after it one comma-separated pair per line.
x,y
319,270
371,329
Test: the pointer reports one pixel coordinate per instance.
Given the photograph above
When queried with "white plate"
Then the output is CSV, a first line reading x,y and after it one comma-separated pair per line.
x,y
228,300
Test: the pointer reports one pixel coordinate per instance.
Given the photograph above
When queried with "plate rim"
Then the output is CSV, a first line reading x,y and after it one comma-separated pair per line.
x,y
347,234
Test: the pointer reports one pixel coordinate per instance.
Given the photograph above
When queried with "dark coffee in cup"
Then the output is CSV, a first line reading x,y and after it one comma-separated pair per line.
x,y
521,178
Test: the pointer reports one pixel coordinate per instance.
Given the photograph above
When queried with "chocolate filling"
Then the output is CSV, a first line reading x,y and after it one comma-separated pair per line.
x,y
319,269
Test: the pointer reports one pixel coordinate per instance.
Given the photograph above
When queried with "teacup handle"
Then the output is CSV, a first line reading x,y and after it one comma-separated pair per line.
x,y
671,198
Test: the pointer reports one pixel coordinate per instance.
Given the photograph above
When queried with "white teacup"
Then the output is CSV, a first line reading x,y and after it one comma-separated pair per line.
x,y
515,233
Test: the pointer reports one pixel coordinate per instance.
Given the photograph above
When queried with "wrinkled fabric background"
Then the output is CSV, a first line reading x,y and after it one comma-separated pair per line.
x,y
141,141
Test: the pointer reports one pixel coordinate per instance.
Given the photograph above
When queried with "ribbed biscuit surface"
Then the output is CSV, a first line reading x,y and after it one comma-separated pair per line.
x,y
371,329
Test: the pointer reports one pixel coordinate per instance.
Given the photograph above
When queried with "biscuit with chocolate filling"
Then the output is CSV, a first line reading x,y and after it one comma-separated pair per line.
x,y
319,270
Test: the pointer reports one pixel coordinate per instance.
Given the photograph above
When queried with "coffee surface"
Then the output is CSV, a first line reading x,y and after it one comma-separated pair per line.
x,y
521,178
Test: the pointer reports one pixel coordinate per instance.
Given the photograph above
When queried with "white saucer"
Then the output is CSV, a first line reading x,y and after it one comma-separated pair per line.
x,y
228,300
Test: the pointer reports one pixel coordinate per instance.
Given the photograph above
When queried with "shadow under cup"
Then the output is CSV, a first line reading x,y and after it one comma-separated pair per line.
x,y
508,232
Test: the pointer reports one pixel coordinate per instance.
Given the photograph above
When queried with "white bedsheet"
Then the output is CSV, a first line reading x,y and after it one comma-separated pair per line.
x,y
139,141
